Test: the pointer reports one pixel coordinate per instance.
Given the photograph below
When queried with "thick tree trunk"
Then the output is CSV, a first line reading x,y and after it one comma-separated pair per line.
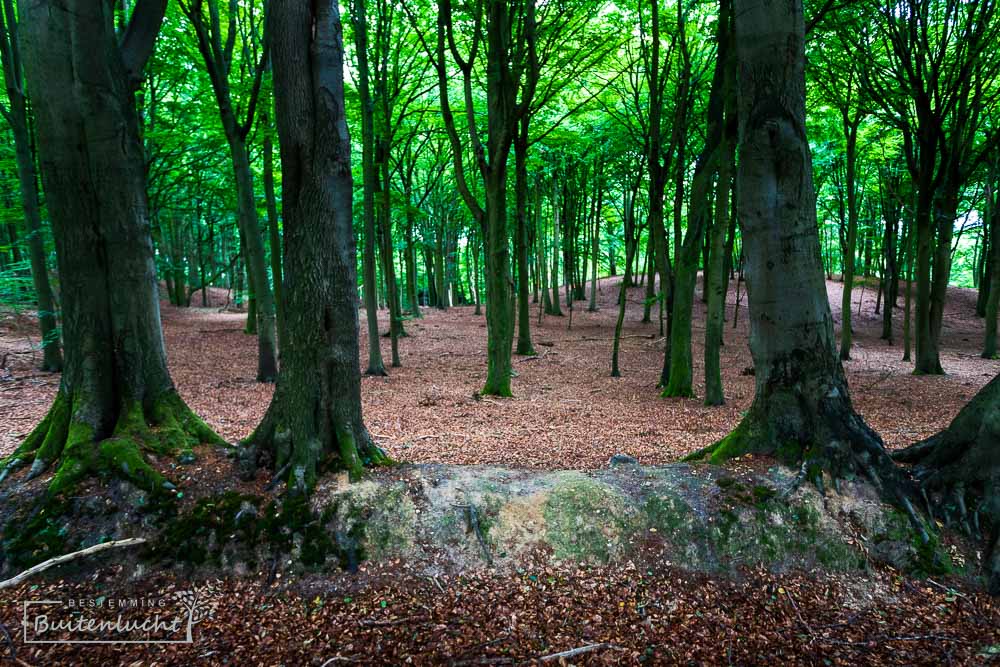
x,y
316,410
92,166
802,409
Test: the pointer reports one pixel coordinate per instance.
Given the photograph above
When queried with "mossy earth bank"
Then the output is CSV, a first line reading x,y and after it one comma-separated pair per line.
x,y
443,518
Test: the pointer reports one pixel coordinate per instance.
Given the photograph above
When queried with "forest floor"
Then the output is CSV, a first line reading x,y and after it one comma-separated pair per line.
x,y
566,413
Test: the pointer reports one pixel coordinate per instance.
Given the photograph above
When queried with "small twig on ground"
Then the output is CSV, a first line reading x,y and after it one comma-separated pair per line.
x,y
395,621
799,614
578,651
946,589
339,658
58,560
436,583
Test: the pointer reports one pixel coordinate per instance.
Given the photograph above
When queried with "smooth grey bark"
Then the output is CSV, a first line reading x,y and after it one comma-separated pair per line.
x,y
316,409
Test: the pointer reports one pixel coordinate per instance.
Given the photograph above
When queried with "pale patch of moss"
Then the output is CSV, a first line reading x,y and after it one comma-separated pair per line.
x,y
382,515
586,520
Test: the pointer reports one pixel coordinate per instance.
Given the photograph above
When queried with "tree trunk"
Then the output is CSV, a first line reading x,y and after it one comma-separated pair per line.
x,y
595,240
410,258
715,269
368,177
524,346
274,233
993,299
499,327
928,358
267,365
17,117
386,249
316,409
554,276
802,409
890,273
681,379
850,250
51,352
92,165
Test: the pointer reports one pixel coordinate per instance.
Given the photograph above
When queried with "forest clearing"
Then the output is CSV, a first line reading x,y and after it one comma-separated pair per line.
x,y
499,332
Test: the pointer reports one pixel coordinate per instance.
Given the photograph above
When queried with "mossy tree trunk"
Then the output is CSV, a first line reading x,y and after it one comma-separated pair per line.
x,y
116,398
315,414
802,409
960,470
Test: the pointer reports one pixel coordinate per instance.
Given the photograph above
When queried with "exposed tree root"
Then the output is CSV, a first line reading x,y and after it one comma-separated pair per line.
x,y
298,448
958,471
831,439
71,436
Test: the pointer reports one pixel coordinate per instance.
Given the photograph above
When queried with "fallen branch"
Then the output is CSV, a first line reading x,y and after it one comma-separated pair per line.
x,y
578,651
58,560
